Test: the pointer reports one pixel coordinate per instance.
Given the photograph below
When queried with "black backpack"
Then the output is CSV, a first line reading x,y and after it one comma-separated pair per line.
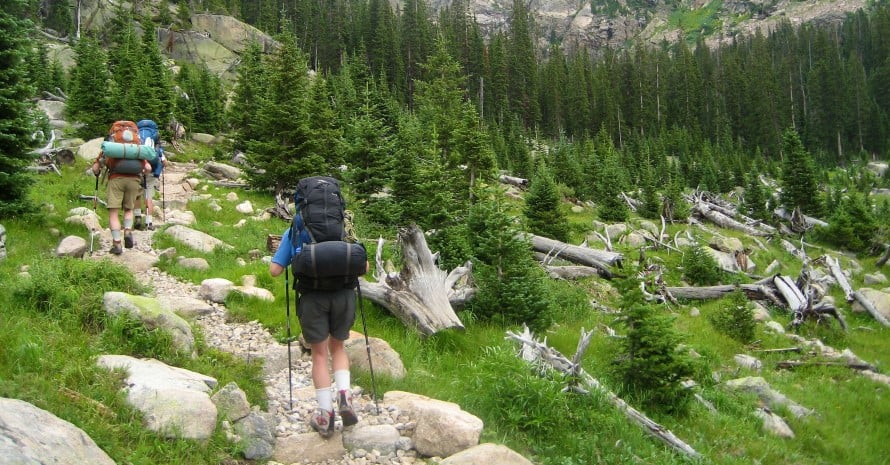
x,y
327,261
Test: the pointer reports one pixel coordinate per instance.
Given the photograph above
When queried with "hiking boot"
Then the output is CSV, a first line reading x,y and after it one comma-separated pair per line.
x,y
150,227
347,414
137,223
116,248
323,422
128,241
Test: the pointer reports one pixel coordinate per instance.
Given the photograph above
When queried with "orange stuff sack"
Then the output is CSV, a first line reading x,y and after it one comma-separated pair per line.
x,y
124,132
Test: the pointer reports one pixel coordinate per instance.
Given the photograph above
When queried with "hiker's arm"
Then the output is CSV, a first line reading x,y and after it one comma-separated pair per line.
x,y
97,166
275,269
282,256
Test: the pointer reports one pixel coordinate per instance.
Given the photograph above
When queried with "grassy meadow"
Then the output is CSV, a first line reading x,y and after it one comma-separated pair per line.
x,y
52,328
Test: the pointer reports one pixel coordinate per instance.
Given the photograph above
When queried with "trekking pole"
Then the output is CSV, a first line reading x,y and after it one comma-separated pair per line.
x,y
96,194
290,388
361,307
163,198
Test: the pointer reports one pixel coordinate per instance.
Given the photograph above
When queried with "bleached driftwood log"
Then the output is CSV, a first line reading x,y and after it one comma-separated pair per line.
x,y
761,290
534,351
725,221
835,268
599,259
571,271
421,293
521,183
870,308
787,216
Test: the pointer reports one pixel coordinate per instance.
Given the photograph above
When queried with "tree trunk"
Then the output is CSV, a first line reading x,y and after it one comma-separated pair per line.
x,y
840,277
599,259
421,293
725,221
538,352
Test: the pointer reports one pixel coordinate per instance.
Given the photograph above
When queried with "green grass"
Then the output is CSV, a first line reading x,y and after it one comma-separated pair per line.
x,y
55,327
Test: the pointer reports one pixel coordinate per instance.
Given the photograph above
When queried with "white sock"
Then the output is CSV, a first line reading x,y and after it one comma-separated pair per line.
x,y
147,219
323,396
341,377
138,212
116,235
128,224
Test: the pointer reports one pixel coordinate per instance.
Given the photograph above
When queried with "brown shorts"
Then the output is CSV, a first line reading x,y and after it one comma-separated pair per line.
x,y
122,192
324,313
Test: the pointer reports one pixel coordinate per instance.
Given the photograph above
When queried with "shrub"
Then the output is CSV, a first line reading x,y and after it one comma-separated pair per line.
x,y
699,267
735,318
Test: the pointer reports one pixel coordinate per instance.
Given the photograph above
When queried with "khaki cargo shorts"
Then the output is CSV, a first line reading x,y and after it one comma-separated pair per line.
x,y
122,192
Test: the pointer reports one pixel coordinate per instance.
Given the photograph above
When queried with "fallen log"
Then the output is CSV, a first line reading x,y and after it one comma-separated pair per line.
x,y
788,216
521,183
756,291
572,271
725,221
538,352
881,261
599,259
420,294
835,268
788,364
867,305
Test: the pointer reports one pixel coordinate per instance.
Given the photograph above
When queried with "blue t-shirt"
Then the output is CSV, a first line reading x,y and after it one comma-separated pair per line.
x,y
286,250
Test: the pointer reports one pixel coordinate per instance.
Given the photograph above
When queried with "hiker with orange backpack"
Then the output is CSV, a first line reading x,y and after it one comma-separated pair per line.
x,y
125,165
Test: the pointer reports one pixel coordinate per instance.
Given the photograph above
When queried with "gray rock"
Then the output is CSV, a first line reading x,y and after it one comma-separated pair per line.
x,y
186,307
245,207
880,300
90,149
382,438
29,435
216,289
443,429
256,431
218,170
774,399
308,448
231,402
152,315
874,278
195,239
175,402
386,360
488,454
195,263
774,424
72,246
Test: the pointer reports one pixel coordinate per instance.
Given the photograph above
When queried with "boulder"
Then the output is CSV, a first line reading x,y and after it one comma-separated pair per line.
x,y
29,435
382,438
195,239
216,289
443,429
90,149
879,299
175,402
231,402
774,399
488,454
71,246
384,358
152,315
308,448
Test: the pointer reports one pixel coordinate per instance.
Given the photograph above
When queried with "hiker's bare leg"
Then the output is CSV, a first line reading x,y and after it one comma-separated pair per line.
x,y
321,378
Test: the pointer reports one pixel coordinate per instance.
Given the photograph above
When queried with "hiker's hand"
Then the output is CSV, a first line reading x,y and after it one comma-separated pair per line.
x,y
95,169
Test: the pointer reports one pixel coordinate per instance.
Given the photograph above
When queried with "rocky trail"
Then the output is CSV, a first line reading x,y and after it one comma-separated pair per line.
x,y
250,340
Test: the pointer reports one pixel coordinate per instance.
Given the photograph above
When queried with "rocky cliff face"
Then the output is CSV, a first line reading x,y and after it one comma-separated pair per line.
x,y
615,23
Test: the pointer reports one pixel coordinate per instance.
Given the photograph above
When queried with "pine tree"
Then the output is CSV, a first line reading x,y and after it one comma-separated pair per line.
x,y
280,129
248,95
88,99
754,204
610,182
543,214
16,124
651,365
798,176
510,283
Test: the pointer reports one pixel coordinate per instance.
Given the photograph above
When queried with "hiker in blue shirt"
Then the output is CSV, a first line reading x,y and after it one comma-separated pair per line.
x,y
326,318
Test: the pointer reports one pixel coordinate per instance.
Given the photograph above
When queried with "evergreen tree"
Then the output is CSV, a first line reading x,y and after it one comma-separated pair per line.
x,y
153,82
652,203
853,225
798,176
280,130
124,62
250,85
15,124
651,365
755,201
543,214
88,99
510,283
610,181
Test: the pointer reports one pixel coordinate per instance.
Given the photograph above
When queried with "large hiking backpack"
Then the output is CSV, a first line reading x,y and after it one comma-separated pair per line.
x,y
125,147
326,261
148,133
